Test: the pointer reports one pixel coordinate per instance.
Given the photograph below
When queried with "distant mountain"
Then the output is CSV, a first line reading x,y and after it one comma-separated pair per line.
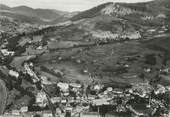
x,y
4,7
41,13
124,9
119,18
30,15
22,8
90,13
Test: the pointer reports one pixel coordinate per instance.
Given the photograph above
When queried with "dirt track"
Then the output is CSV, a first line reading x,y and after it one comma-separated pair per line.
x,y
3,96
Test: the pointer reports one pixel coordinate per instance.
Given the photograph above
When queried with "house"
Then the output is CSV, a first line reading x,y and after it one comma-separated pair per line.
x,y
63,86
69,109
31,50
97,87
28,70
55,99
141,89
109,89
118,91
24,109
58,111
161,31
39,48
58,72
160,90
63,101
132,35
85,71
5,52
31,73
75,85
99,102
91,97
161,16
15,112
147,70
13,73
166,70
47,115
66,93
41,99
147,18
45,80
151,30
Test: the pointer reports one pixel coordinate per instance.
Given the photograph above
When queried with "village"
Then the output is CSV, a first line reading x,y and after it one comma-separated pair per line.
x,y
68,99
102,63
75,99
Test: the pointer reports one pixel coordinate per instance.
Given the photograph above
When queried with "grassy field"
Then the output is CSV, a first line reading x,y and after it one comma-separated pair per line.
x,y
160,44
104,62
71,72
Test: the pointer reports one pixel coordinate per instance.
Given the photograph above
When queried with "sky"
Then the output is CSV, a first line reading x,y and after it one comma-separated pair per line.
x,y
64,5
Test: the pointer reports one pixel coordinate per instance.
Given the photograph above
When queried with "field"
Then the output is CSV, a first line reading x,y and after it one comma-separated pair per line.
x,y
162,44
118,64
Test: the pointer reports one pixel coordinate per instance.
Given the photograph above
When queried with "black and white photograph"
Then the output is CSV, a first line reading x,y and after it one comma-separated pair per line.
x,y
84,58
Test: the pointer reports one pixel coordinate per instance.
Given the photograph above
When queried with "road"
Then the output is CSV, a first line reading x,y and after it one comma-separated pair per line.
x,y
3,96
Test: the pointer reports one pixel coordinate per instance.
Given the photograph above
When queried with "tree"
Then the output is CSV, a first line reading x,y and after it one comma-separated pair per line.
x,y
150,59
103,110
37,115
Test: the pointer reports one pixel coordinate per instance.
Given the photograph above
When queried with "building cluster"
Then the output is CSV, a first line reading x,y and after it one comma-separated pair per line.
x,y
75,96
106,36
11,27
6,52
118,99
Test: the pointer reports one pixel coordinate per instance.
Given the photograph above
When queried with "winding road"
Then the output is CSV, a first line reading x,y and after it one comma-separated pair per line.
x,y
3,96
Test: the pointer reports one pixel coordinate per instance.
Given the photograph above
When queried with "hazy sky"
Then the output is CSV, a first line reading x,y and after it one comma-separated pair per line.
x,y
65,5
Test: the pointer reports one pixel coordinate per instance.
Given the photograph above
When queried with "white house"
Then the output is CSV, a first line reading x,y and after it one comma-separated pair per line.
x,y
24,109
5,52
132,35
15,112
55,99
13,73
41,99
47,115
75,85
63,86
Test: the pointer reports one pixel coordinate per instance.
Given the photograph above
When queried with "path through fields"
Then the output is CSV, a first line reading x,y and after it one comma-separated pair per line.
x,y
3,96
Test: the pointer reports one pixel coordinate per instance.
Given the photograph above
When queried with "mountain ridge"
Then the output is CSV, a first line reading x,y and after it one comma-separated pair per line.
x,y
41,16
150,6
